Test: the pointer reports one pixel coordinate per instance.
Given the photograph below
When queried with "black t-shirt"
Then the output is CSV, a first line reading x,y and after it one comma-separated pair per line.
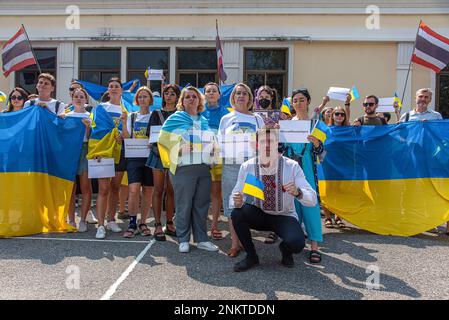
x,y
155,119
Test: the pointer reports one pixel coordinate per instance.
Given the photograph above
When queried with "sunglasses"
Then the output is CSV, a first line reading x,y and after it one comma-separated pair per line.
x,y
340,114
16,98
366,104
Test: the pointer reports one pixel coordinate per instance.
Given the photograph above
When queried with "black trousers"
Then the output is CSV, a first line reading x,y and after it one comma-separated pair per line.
x,y
252,217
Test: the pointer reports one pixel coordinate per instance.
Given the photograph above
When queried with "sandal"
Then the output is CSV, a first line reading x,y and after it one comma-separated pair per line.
x,y
328,223
130,232
159,236
167,231
216,234
271,238
340,223
315,256
144,230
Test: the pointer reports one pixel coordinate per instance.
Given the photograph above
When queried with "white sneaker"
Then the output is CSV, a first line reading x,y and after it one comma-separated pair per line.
x,y
82,226
101,233
184,247
113,226
207,245
90,218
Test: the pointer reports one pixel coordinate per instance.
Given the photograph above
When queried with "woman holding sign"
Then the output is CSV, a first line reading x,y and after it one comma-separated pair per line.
x,y
108,188
180,145
162,184
240,121
306,155
139,175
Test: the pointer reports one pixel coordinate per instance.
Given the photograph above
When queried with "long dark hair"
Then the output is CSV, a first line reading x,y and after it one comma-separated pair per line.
x,y
175,88
22,92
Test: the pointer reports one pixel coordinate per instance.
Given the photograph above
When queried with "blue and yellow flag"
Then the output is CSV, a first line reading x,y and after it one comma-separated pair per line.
x,y
175,128
39,156
390,180
396,99
3,97
286,106
354,93
102,142
320,131
253,187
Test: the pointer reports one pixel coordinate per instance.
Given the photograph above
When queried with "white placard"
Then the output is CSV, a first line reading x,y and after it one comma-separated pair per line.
x,y
385,105
294,131
337,93
154,133
136,148
155,74
237,146
103,169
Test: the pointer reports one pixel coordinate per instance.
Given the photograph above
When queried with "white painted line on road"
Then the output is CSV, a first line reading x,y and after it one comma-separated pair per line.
x,y
66,239
113,288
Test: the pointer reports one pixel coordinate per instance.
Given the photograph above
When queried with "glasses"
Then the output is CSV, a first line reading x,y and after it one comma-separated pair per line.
x,y
16,98
366,104
340,114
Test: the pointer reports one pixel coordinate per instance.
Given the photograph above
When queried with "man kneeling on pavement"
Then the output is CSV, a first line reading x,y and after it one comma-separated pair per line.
x,y
284,183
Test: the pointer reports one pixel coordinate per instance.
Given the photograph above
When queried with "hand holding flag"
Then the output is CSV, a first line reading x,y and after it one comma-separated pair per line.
x,y
253,187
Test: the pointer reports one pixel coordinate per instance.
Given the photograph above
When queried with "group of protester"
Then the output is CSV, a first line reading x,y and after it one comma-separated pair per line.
x,y
288,171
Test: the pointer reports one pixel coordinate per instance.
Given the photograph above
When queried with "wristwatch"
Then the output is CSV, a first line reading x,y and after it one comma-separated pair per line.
x,y
299,196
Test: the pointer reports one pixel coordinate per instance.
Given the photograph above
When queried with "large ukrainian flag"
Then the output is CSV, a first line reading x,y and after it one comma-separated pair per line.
x,y
102,142
390,180
176,128
39,155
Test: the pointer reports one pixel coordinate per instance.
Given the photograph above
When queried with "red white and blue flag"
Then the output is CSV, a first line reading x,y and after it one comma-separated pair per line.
x,y
431,49
221,72
17,53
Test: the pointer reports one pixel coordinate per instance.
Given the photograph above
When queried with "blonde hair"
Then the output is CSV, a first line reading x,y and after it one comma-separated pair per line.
x,y
332,122
144,88
425,90
251,96
180,106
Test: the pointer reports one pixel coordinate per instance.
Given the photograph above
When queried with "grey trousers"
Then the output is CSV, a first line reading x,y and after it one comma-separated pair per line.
x,y
191,185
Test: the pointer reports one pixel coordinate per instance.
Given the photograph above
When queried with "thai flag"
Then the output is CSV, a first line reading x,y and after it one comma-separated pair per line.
x,y
221,72
431,49
17,53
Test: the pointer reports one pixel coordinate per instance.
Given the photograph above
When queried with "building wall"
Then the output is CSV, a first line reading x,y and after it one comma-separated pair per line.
x,y
325,49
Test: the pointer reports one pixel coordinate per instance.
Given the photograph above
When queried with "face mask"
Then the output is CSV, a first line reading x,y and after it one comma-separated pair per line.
x,y
264,103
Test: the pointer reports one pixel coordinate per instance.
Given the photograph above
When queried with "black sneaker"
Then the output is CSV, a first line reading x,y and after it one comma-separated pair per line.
x,y
246,264
287,257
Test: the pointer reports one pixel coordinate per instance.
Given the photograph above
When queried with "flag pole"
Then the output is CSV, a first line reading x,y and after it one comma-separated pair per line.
x,y
410,65
218,69
32,50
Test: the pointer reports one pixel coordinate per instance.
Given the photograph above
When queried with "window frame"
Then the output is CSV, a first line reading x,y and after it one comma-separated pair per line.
x,y
80,58
284,72
129,71
444,72
193,71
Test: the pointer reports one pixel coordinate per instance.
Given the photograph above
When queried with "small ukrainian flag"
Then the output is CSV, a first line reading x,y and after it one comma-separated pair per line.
x,y
253,187
286,106
354,93
3,97
319,131
396,99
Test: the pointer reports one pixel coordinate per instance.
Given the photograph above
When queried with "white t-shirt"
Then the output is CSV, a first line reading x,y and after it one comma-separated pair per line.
x,y
79,115
115,111
51,105
140,125
237,122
